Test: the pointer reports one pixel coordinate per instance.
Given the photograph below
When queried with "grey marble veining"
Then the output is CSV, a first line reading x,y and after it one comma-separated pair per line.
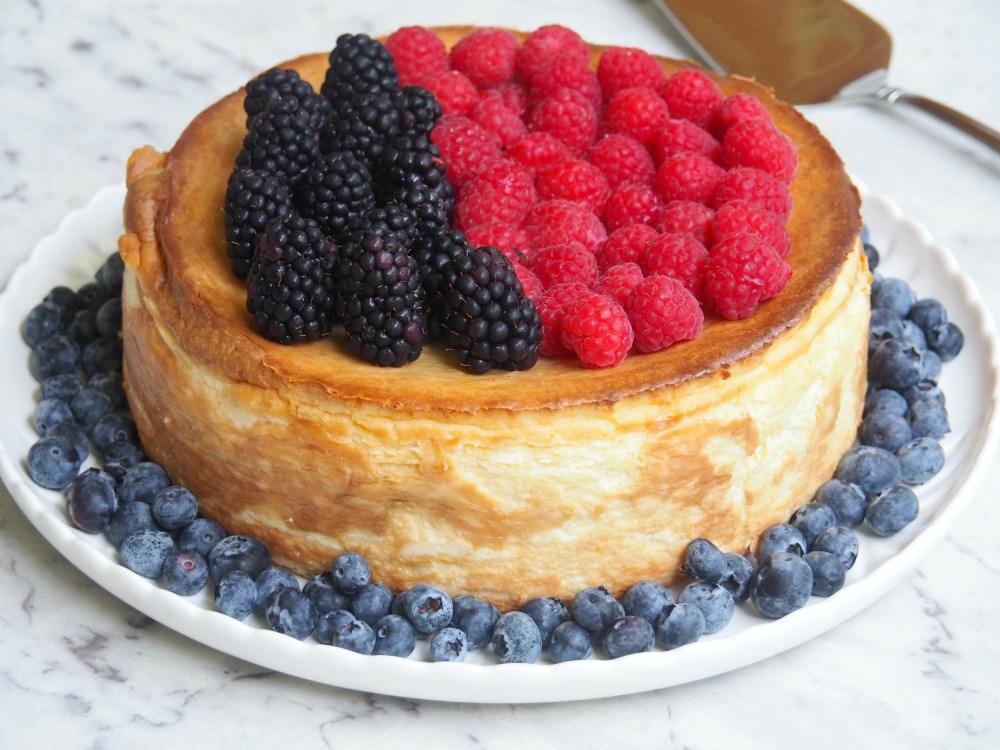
x,y
82,84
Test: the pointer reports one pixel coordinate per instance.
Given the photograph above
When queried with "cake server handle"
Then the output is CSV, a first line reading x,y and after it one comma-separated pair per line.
x,y
981,132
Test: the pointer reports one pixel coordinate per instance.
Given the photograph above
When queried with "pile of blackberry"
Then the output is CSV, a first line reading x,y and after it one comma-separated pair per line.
x,y
338,213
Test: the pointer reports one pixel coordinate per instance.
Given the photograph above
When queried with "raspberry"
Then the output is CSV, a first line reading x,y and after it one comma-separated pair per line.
x,y
563,263
692,95
625,245
500,190
742,216
512,241
619,281
662,312
552,305
688,217
552,222
678,136
735,108
624,67
575,180
539,150
486,56
741,272
455,92
639,112
679,256
419,54
561,73
624,160
465,147
530,283
688,177
494,114
597,328
513,94
546,43
569,117
758,143
755,186
631,204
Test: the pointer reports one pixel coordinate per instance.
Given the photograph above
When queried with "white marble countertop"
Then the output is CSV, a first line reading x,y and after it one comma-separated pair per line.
x,y
82,84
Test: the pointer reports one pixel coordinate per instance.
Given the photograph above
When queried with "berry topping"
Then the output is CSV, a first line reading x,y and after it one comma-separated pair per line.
x,y
552,304
284,83
678,136
679,256
502,190
686,217
564,263
756,142
623,160
755,186
465,147
497,116
358,65
560,221
741,273
282,140
625,245
638,112
688,176
619,281
631,204
336,192
624,67
662,312
692,95
538,150
597,328
740,216
546,43
486,56
736,108
456,93
574,180
418,54
569,117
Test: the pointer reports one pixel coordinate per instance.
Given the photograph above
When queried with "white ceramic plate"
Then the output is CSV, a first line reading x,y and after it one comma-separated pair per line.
x,y
86,237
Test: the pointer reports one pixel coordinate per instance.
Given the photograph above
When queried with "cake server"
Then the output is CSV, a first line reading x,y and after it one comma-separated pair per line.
x,y
807,51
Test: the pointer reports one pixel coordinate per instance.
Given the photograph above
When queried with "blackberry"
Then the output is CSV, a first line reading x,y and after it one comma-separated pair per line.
x,y
419,110
434,208
398,219
437,253
408,159
359,65
290,287
336,191
281,140
485,316
253,198
285,83
364,124
380,300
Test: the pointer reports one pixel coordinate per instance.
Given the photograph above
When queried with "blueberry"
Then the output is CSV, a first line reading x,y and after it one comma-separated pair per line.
x,y
109,317
928,314
175,507
91,500
629,635
110,384
111,273
595,608
929,418
115,468
53,462
128,518
893,294
516,639
920,460
846,500
270,580
913,334
111,429
92,295
812,519
840,541
371,602
44,320
886,399
185,573
65,299
738,576
428,608
350,572
883,429
72,432
238,552
647,599
883,325
781,585
329,621
476,618
142,482
449,644
872,254
548,613
705,561
235,594
925,389
946,340
83,327
828,573
89,405
290,612
63,386
200,535
49,412
871,469
569,642
892,511
357,636
680,625
103,354
126,454
324,595
714,601
145,551
895,364
781,537
394,636
56,355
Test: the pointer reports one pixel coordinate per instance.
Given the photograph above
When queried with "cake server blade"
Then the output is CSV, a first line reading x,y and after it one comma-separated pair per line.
x,y
807,51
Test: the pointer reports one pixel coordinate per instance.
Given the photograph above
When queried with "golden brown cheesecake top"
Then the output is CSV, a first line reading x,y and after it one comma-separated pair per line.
x,y
175,236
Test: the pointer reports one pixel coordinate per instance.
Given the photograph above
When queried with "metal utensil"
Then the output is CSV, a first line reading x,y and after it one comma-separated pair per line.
x,y
808,51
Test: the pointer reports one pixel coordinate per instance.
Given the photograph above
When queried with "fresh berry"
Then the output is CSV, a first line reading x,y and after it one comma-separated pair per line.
x,y
103,354
574,180
394,636
679,136
737,578
142,482
781,585
512,240
885,399
928,314
647,599
679,256
567,116
679,625
75,435
704,561
546,43
755,186
494,114
456,94
514,94
871,255
336,192
812,519
741,273
174,507
270,580
736,108
235,594
920,460
758,143
688,176
449,644
714,601
692,95
569,642
185,573
357,636
50,412
61,387
846,500
486,55
565,74
371,602
928,418
91,500
350,571
419,110
873,470
465,147
358,64
893,294
946,340
884,324
282,140
364,124
501,190
638,112
43,320
841,542
548,614
475,617
781,537
597,328
145,551
531,285
895,364
828,573
238,552
89,406
624,67
284,83
595,608
56,355
631,204
516,639
539,150
619,282
199,536
53,462
741,216
662,311
328,622
625,245
559,221
892,510
324,595
564,263
66,300
629,635
428,608
418,54
552,306
884,429
290,612
623,160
